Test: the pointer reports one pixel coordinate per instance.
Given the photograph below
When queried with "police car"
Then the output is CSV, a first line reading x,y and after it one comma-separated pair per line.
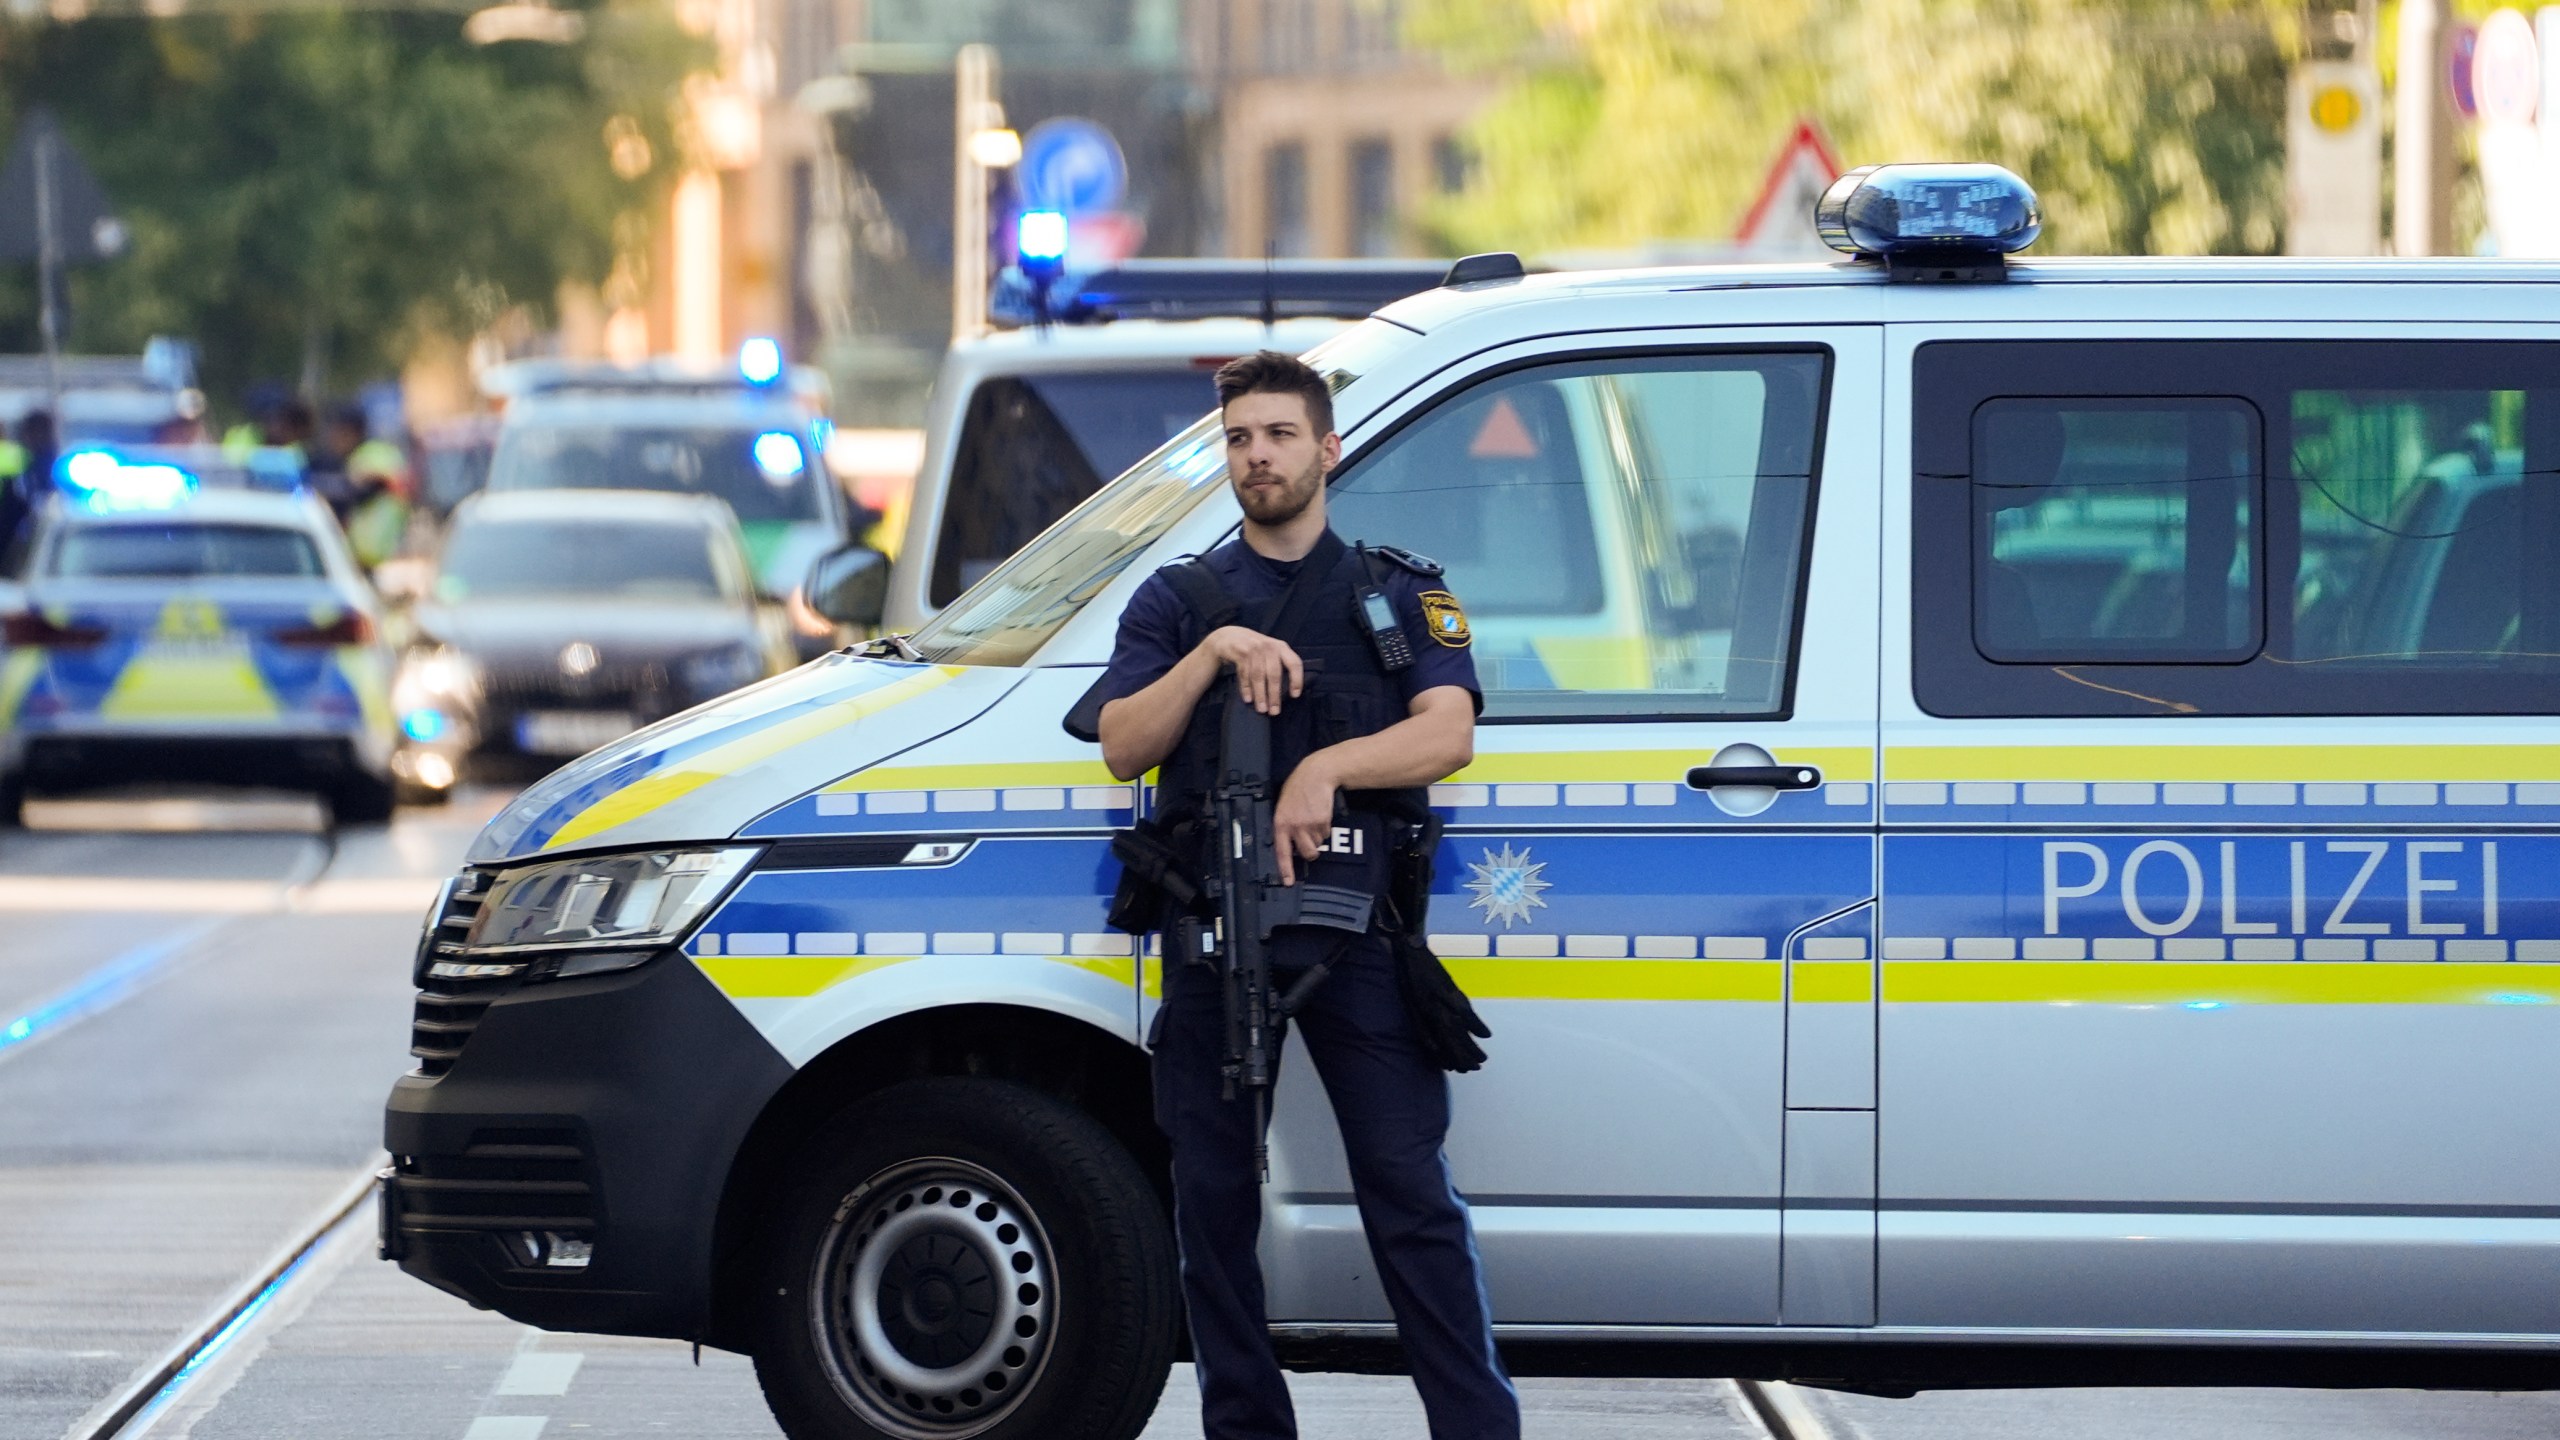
x,y
2014,838
186,618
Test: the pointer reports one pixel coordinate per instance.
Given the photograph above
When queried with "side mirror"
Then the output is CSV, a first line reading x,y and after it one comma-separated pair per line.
x,y
850,586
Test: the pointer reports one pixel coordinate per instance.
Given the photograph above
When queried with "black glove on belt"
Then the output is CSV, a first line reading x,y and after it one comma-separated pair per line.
x,y
1444,1019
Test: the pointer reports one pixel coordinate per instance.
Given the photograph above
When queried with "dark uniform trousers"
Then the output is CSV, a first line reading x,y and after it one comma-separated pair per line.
x,y
1393,1109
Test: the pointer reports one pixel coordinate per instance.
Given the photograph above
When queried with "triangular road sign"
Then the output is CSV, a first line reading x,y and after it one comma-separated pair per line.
x,y
1780,221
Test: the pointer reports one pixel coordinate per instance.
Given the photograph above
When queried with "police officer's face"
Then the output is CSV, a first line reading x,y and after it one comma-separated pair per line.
x,y
1275,459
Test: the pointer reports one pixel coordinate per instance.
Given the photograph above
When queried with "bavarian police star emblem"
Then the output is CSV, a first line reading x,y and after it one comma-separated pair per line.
x,y
1442,617
1507,886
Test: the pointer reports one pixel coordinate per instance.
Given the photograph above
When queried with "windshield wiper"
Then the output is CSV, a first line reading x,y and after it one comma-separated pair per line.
x,y
894,646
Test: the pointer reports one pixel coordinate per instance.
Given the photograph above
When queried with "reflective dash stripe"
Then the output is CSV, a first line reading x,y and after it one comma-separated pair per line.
x,y
664,787
2226,763
2208,984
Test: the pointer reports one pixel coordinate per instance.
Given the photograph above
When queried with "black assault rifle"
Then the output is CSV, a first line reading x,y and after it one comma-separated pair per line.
x,y
1244,881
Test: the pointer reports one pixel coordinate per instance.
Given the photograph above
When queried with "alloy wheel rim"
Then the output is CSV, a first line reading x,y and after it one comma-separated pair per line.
x,y
935,1301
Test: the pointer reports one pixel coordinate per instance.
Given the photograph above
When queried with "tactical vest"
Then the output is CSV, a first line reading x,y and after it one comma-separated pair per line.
x,y
1346,695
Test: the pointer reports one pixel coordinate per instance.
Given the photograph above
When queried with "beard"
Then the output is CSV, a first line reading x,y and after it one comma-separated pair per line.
x,y
1280,504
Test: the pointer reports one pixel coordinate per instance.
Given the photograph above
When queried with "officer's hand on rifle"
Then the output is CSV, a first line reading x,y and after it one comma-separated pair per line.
x,y
1267,670
1303,819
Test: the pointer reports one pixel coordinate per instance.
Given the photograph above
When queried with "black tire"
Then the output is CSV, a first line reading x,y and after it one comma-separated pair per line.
x,y
359,800
926,1222
13,803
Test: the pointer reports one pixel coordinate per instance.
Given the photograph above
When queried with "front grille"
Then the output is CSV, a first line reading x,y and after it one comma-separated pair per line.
x,y
633,686
449,1008
508,1180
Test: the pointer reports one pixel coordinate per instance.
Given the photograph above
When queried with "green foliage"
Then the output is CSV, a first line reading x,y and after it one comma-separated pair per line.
x,y
325,185
2154,126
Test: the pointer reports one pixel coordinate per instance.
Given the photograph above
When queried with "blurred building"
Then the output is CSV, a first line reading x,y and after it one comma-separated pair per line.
x,y
1331,134
817,202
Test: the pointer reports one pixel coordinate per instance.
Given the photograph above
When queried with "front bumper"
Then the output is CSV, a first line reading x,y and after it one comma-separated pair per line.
x,y
605,1112
74,758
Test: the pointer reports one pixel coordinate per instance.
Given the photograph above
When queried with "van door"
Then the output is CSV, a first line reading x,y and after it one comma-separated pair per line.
x,y
1632,532
2222,836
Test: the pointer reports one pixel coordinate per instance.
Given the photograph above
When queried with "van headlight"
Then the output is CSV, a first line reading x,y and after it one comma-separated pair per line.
x,y
609,912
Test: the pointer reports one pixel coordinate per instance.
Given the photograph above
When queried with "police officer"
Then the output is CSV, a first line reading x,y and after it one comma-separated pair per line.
x,y
1349,729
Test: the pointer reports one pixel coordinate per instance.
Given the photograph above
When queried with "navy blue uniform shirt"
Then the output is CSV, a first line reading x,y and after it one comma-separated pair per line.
x,y
1157,629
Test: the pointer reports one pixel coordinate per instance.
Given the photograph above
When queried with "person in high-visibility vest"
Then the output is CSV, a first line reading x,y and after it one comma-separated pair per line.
x,y
377,513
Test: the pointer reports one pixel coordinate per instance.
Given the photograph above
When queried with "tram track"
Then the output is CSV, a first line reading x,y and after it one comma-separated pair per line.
x,y
1782,1410
127,974
164,1380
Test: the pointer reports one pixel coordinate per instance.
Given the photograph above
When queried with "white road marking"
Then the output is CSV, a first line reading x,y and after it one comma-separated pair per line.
x,y
507,1427
539,1372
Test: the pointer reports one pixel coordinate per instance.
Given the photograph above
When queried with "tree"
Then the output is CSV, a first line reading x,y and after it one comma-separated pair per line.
x,y
310,191
2152,127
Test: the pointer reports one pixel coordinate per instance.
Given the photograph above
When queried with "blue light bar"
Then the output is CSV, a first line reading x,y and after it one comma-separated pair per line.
x,y
1040,240
103,480
760,360
1950,222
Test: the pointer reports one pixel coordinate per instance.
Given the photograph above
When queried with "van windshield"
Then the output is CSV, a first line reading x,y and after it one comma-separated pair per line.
x,y
762,471
1033,445
1010,614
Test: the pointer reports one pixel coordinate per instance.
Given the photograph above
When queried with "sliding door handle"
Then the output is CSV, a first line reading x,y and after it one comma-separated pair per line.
x,y
1765,777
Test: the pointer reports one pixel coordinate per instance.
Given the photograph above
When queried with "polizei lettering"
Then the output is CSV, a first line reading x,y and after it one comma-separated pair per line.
x,y
2313,887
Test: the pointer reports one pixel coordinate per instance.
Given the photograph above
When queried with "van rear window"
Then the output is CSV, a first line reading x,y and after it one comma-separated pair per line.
x,y
163,551
2236,527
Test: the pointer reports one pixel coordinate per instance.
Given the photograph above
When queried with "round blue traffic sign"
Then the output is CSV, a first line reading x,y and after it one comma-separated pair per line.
x,y
1072,165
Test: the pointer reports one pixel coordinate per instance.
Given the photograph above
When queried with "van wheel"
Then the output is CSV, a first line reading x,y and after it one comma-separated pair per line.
x,y
964,1258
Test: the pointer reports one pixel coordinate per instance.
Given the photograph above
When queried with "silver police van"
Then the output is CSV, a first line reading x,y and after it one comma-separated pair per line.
x,y
2015,838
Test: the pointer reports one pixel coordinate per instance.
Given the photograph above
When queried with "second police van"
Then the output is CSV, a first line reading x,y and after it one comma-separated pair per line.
x,y
2148,968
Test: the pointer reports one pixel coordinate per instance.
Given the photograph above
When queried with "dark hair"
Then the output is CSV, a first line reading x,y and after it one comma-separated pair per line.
x,y
1269,372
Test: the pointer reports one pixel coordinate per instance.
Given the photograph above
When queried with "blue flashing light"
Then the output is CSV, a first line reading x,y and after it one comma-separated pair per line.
x,y
760,360
778,455
90,469
423,725
1931,213
1040,240
104,481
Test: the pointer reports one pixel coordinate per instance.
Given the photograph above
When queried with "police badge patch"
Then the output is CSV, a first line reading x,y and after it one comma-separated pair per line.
x,y
1444,619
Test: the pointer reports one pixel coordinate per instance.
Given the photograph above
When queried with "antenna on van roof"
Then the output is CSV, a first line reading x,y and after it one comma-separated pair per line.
x,y
1270,301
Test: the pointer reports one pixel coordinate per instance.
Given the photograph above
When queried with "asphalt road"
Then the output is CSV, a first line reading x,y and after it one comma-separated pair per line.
x,y
216,1000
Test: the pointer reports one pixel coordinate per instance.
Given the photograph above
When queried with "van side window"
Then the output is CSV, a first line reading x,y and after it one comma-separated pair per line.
x,y
1628,535
2413,522
2236,528
2114,530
